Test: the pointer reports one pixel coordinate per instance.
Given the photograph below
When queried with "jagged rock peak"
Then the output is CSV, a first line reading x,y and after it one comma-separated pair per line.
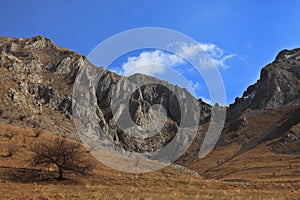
x,y
279,84
37,42
288,54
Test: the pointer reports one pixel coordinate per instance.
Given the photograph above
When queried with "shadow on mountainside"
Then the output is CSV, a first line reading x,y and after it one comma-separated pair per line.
x,y
275,130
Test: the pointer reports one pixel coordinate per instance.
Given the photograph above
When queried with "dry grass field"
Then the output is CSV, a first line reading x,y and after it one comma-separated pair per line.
x,y
22,181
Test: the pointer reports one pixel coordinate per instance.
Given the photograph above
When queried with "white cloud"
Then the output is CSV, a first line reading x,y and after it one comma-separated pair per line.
x,y
151,63
154,62
194,86
206,55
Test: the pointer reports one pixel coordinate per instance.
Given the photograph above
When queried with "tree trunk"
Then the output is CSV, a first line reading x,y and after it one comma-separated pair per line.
x,y
61,174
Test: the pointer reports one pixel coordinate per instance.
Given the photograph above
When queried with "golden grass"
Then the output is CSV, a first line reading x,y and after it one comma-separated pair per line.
x,y
21,181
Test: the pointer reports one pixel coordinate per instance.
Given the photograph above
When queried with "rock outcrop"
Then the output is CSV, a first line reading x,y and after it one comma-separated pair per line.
x,y
279,85
41,77
269,108
36,83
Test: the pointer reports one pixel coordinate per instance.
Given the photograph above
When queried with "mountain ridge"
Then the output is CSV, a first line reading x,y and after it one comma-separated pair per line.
x,y
37,79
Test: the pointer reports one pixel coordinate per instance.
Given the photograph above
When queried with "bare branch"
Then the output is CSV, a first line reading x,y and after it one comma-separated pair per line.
x,y
64,154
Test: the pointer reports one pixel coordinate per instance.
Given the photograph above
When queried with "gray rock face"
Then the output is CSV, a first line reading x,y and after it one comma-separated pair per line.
x,y
36,80
42,77
137,113
279,85
130,115
269,109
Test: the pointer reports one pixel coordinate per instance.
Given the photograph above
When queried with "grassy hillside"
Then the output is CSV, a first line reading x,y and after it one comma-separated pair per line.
x,y
19,180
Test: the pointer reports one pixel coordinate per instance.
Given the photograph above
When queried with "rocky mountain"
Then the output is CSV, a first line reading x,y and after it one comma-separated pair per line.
x,y
261,137
37,79
277,89
278,85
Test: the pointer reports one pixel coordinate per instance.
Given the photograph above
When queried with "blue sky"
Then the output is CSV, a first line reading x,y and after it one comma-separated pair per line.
x,y
253,30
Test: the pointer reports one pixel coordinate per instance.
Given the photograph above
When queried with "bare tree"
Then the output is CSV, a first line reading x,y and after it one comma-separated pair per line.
x,y
62,153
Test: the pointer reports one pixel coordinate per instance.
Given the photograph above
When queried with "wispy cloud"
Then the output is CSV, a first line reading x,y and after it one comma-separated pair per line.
x,y
206,55
194,85
151,63
154,62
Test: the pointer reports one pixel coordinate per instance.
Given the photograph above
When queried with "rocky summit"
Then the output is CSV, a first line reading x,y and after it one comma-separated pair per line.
x,y
262,126
278,85
276,92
